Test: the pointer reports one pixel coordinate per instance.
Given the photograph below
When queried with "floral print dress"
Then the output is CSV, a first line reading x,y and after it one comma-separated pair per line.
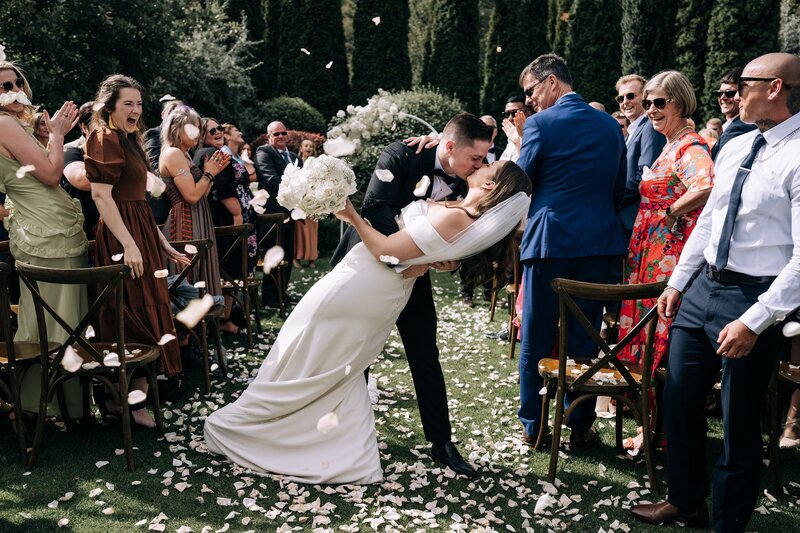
x,y
684,166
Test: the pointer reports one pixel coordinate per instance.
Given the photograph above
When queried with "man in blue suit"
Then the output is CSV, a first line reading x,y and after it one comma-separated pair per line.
x,y
575,158
729,106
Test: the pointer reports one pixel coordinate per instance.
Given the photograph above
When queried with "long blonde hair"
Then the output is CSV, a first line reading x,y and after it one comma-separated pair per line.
x,y
173,125
26,116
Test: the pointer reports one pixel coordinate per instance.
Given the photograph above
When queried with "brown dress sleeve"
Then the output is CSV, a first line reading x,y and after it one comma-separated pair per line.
x,y
105,157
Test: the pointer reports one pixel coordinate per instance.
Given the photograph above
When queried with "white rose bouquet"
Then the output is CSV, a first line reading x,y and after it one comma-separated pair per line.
x,y
317,189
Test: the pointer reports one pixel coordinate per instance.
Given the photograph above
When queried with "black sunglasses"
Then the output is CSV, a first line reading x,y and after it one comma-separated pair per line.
x,y
529,90
727,94
7,85
660,103
509,114
280,133
213,131
741,85
622,97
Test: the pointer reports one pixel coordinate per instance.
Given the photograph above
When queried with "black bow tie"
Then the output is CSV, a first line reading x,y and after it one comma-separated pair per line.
x,y
448,179
493,150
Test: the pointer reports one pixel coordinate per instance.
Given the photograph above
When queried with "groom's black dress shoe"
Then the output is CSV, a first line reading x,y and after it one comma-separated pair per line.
x,y
447,453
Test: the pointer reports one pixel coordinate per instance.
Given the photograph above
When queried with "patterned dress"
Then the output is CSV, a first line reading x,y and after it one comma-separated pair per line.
x,y
684,166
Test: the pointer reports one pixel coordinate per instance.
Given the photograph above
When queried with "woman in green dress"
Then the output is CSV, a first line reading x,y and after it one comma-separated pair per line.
x,y
44,224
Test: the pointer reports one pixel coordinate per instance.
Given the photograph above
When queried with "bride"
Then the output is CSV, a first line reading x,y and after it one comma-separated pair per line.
x,y
307,414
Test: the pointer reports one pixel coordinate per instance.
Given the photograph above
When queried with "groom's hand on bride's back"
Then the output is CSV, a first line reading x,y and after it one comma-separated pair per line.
x,y
415,271
446,266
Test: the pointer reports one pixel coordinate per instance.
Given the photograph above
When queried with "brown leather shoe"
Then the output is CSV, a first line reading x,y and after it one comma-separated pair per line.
x,y
530,440
666,513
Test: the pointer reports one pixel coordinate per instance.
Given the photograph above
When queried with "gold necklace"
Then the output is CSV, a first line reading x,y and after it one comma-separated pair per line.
x,y
678,133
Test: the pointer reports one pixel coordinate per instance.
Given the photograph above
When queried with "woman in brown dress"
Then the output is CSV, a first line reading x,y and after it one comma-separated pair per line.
x,y
305,231
117,169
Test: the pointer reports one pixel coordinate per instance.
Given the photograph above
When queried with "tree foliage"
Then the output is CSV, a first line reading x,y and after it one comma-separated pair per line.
x,y
380,51
691,28
558,24
737,33
455,51
790,26
592,52
512,42
647,36
294,112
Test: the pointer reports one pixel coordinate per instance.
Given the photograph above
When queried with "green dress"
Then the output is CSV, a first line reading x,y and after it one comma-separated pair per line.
x,y
45,228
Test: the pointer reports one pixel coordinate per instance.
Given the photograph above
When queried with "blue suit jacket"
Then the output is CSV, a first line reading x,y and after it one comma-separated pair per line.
x,y
736,128
575,158
644,147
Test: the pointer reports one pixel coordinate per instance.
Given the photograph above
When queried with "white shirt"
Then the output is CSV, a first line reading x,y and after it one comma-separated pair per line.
x,y
729,122
635,124
441,189
510,153
766,235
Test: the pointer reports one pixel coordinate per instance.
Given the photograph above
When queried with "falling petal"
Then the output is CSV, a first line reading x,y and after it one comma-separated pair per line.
x,y
117,257
422,186
155,185
272,258
195,311
347,370
376,20
339,147
329,65
136,396
167,98
306,52
499,49
163,273
192,131
389,260
91,365
190,249
298,214
166,338
245,155
543,391
112,359
791,329
89,332
98,106
384,174
200,285
98,464
24,169
71,360
327,423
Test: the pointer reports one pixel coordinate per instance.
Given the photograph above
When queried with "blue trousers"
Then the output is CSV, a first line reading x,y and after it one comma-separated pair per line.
x,y
539,327
693,367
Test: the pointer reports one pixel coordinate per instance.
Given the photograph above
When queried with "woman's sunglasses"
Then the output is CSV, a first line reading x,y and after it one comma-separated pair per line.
x,y
660,103
214,131
727,94
7,86
622,97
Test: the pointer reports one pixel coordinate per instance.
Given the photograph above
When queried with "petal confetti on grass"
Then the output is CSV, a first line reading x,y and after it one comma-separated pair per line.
x,y
195,311
306,52
329,65
544,501
422,186
71,361
24,169
100,464
327,423
376,20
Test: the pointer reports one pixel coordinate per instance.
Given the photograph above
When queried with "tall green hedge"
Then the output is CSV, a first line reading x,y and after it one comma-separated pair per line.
x,y
317,28
592,51
380,52
647,36
790,26
254,15
517,34
691,29
737,33
558,24
455,51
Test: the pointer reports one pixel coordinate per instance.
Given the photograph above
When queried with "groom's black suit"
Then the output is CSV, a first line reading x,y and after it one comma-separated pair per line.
x,y
417,322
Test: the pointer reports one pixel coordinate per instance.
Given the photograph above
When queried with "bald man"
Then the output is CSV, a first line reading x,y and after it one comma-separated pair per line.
x,y
737,277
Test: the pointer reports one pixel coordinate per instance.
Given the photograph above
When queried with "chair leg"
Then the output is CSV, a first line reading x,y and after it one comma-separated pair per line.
x,y
544,418
222,357
203,337
248,320
253,295
492,303
774,434
86,386
512,332
150,372
618,428
658,427
41,418
557,422
127,435
647,441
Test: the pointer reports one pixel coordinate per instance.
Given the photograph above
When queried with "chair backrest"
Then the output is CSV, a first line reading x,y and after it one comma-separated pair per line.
x,y
235,237
569,290
109,281
202,246
6,333
275,219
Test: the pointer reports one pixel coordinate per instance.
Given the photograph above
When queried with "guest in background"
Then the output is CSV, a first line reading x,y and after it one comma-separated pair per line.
x,y
152,147
623,122
598,106
306,231
116,166
45,225
729,106
674,191
40,128
235,147
494,152
74,180
710,136
715,125
514,115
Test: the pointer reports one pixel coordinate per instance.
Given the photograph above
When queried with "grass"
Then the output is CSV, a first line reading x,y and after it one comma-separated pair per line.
x,y
195,490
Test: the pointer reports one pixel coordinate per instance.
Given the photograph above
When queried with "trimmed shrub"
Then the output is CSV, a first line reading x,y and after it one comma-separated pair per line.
x,y
647,55
294,112
790,26
691,28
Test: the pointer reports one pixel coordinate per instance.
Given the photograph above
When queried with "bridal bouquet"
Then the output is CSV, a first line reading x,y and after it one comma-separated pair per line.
x,y
317,189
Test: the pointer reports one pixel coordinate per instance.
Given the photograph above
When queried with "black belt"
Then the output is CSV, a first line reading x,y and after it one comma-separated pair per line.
x,y
729,277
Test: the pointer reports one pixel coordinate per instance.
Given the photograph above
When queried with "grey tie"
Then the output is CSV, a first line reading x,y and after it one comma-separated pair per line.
x,y
733,204
286,157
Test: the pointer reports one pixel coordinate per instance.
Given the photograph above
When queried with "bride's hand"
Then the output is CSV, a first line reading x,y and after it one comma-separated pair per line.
x,y
423,142
446,266
348,214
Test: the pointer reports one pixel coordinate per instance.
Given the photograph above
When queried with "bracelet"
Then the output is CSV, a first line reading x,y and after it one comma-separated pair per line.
x,y
669,213
208,176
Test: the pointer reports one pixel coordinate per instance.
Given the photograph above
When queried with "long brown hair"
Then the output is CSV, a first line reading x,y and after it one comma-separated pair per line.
x,y
509,180
106,101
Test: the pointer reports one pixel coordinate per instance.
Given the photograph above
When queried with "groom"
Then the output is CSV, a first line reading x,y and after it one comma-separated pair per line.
x,y
398,180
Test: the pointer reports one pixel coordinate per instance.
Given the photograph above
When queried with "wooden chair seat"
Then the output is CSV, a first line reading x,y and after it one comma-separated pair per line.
x,y
789,373
607,376
138,354
26,353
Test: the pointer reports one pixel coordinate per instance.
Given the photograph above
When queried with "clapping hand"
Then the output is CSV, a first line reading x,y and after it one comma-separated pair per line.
x,y
216,163
63,121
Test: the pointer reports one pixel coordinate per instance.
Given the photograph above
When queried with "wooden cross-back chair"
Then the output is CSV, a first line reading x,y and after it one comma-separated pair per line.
x,y
236,283
203,247
274,221
606,375
131,356
512,294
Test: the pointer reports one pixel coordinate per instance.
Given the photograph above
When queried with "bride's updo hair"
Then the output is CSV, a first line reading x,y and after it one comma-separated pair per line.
x,y
509,180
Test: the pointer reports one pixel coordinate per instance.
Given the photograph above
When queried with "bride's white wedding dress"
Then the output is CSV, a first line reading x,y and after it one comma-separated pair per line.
x,y
316,365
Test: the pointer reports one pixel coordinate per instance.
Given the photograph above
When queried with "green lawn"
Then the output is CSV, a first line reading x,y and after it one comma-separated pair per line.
x,y
206,493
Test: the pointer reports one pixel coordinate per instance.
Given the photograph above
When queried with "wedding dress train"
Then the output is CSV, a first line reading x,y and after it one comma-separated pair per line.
x,y
315,369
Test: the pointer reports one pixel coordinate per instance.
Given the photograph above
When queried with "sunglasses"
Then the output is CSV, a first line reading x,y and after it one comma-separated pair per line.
x,y
660,103
213,131
529,90
720,94
622,97
741,85
7,86
280,133
509,114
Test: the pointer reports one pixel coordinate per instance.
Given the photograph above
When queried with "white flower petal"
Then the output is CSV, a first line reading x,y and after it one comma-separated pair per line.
x,y
108,511
190,249
339,147
543,391
155,185
136,396
389,260
112,359
71,360
791,329
117,257
298,214
192,131
163,273
200,285
24,169
329,65
272,258
306,52
384,174
195,311
498,49
544,501
165,338
91,365
98,106
422,186
98,464
89,332
327,423
63,522
347,370
376,20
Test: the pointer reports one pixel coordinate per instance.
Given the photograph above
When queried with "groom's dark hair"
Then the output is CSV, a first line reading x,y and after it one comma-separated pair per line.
x,y
466,128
